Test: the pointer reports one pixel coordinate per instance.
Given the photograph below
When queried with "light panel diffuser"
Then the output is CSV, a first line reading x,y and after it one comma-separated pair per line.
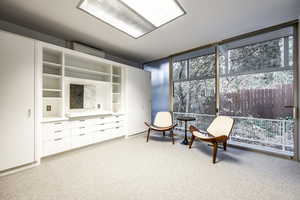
x,y
158,12
134,17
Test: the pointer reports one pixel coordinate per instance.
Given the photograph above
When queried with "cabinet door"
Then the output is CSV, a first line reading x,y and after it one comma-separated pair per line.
x,y
17,101
138,100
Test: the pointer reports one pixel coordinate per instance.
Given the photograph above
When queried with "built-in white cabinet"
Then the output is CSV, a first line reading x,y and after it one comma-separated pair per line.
x,y
17,84
138,100
36,117
74,133
123,93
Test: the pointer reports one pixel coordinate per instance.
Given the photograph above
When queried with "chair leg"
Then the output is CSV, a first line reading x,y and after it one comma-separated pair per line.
x,y
192,140
225,145
148,134
172,135
164,133
215,151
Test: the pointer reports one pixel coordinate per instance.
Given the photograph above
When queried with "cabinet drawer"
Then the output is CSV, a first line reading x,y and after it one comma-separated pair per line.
x,y
108,133
84,122
98,136
81,140
103,126
118,131
56,126
119,124
52,133
80,130
56,145
120,118
79,123
109,119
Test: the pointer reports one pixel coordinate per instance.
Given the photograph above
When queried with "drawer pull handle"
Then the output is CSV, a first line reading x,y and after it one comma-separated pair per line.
x,y
82,134
57,131
100,124
82,127
82,120
57,139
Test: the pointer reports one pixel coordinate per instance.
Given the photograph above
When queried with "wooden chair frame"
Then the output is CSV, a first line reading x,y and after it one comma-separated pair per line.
x,y
211,139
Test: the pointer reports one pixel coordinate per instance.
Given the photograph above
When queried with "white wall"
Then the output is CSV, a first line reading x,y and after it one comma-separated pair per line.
x,y
27,32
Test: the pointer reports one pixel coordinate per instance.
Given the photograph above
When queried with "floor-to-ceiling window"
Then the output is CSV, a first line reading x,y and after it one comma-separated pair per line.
x,y
256,84
194,89
256,89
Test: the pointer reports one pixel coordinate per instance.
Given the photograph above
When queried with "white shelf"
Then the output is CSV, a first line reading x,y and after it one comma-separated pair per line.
x,y
116,83
83,81
116,75
51,90
53,98
52,76
79,69
52,64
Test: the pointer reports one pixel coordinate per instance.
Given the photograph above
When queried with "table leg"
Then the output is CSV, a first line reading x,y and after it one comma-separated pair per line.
x,y
185,141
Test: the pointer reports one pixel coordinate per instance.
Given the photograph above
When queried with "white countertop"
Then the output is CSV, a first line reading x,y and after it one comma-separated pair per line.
x,y
54,119
87,113
80,114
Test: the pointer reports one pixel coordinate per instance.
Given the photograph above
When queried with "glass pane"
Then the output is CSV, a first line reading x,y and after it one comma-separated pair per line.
x,y
159,86
291,52
202,96
202,120
202,67
261,95
181,91
180,70
251,58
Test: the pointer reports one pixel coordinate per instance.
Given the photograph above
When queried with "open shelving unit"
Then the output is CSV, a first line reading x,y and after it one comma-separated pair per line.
x,y
52,83
116,89
82,68
62,67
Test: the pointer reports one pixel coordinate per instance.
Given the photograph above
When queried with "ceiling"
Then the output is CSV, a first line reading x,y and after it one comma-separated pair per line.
x,y
206,21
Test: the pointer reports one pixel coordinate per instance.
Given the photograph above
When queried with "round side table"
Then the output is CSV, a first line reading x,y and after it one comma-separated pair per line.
x,y
185,119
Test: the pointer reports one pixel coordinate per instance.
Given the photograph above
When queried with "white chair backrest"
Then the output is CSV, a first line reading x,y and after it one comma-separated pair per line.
x,y
221,125
163,119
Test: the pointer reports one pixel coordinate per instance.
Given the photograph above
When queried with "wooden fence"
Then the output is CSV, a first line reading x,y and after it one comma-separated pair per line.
x,y
260,103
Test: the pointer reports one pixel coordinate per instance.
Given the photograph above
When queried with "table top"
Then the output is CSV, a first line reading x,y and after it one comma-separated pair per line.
x,y
186,118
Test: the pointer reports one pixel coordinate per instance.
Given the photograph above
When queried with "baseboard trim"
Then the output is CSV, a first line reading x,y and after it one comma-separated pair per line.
x,y
19,168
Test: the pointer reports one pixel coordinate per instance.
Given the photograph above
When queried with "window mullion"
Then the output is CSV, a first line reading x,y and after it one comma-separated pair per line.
x,y
217,79
189,86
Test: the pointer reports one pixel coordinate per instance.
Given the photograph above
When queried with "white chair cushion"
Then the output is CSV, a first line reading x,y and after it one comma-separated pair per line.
x,y
163,119
221,125
201,135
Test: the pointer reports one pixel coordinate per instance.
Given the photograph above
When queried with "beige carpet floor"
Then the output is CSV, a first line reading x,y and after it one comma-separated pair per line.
x,y
130,169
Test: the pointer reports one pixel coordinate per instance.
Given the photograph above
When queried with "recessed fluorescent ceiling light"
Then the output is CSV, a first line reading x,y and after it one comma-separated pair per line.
x,y
134,17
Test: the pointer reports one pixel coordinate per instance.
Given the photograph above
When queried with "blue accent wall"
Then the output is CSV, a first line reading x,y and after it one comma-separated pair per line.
x,y
160,85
